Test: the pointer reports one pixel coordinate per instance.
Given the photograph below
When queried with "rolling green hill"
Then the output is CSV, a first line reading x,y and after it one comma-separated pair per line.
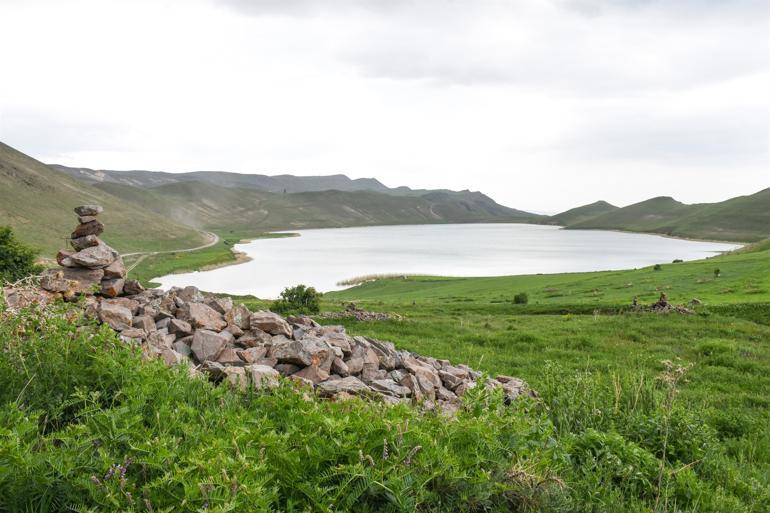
x,y
226,209
579,214
37,202
742,219
278,183
163,211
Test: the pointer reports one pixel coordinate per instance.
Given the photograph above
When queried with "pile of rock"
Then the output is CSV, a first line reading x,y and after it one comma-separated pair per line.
x,y
663,306
252,349
228,343
93,266
359,314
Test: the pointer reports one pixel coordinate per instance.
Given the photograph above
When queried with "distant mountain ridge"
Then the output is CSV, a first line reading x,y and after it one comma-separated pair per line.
x,y
267,183
740,219
584,213
152,211
148,210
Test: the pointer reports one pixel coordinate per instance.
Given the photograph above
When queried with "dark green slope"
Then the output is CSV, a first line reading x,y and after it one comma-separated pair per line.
x,y
743,219
277,183
580,214
209,206
37,202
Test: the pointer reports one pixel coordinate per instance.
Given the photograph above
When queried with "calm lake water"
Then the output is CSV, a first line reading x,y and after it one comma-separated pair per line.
x,y
323,258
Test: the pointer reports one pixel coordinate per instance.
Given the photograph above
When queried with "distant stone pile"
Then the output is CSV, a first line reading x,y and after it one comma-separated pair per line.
x,y
93,266
228,343
352,311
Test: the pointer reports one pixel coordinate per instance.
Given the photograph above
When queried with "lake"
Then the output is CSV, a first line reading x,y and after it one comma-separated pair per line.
x,y
323,258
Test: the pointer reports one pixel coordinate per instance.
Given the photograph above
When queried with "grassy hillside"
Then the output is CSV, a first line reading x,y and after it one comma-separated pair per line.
x,y
745,218
226,210
38,201
579,214
278,183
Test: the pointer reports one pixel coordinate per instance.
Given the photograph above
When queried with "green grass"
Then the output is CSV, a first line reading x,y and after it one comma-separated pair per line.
x,y
220,253
615,429
744,278
744,218
37,203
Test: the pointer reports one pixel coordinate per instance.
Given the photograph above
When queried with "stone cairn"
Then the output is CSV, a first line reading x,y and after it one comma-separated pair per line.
x,y
227,343
93,266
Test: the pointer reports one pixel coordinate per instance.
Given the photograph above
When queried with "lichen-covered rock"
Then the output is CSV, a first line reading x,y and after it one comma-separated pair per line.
x,y
220,304
116,269
304,353
202,316
118,317
94,227
89,210
179,327
238,315
87,241
113,287
312,373
270,323
390,387
95,257
207,344
262,376
144,322
133,287
350,385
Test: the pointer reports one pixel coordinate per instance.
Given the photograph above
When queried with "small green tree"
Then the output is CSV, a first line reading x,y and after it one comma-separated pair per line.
x,y
521,298
717,272
298,300
17,260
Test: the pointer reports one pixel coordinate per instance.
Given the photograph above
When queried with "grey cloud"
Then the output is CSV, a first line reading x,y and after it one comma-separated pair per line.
x,y
38,133
621,47
313,7
736,137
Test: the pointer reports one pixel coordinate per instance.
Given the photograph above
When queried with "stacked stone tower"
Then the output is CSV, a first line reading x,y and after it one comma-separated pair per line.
x,y
92,267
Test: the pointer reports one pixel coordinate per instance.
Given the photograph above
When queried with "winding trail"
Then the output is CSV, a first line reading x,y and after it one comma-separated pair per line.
x,y
213,239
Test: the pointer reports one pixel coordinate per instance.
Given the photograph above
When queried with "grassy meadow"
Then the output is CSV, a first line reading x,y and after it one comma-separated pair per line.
x,y
637,411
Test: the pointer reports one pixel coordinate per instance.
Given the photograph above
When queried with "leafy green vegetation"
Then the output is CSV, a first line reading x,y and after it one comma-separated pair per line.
x,y
17,260
84,422
298,300
581,324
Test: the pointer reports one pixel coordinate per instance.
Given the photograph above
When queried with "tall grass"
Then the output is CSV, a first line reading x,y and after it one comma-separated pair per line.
x,y
85,423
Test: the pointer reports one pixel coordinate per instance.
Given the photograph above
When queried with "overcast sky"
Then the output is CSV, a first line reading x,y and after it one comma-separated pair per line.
x,y
542,104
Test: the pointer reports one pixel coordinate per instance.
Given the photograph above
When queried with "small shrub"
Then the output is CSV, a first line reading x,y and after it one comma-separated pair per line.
x,y
717,273
298,300
521,298
677,261
658,267
17,260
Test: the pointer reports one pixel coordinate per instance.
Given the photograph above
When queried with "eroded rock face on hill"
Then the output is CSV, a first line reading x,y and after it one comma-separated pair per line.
x,y
229,344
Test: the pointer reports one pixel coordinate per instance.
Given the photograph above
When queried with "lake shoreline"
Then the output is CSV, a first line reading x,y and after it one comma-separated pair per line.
x,y
333,259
